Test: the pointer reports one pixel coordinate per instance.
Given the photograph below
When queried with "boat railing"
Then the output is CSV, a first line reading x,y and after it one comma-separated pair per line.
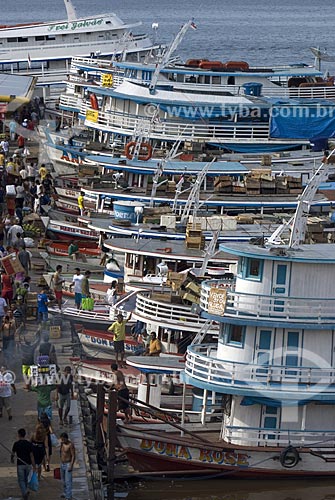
x,y
75,313
202,364
166,129
71,101
310,310
149,307
89,61
261,436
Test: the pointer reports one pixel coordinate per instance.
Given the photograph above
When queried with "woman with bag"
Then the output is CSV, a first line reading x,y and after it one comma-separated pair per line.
x,y
52,439
39,441
85,292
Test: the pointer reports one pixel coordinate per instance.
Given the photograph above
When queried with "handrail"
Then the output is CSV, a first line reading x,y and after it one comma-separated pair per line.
x,y
202,364
174,314
171,129
313,310
278,437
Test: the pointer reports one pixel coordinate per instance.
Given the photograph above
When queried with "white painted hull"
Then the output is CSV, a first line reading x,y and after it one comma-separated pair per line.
x,y
147,452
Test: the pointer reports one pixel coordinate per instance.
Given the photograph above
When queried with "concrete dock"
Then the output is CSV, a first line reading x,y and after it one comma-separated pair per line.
x,y
24,409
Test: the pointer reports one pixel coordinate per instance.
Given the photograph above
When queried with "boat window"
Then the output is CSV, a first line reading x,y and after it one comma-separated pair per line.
x,y
234,335
12,40
39,38
108,22
254,269
22,39
231,80
51,37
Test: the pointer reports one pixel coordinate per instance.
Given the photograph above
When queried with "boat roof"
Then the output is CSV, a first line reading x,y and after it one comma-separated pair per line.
x,y
318,253
171,167
16,87
159,364
130,90
289,70
166,250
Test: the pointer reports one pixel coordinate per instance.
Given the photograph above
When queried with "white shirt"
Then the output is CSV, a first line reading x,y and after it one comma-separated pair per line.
x,y
31,171
19,191
77,279
39,189
12,235
6,380
5,146
23,174
3,304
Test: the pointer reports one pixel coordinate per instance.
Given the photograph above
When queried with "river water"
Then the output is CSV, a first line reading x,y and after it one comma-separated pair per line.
x,y
260,32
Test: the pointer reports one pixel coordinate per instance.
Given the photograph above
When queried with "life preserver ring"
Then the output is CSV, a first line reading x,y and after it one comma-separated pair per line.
x,y
94,102
289,457
145,151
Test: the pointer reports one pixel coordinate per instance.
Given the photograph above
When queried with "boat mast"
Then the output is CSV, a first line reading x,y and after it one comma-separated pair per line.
x,y
297,223
160,169
71,10
210,251
193,197
168,52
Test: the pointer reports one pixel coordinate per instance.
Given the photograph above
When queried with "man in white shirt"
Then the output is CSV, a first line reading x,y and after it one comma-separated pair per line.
x,y
6,386
12,236
31,171
3,309
76,282
5,146
23,174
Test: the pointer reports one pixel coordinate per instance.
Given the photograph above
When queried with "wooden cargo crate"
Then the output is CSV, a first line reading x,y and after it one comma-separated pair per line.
x,y
55,332
190,297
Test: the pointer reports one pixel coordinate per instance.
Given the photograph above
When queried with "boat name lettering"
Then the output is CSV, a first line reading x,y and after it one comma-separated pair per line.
x,y
69,229
75,25
122,215
71,193
168,449
109,343
209,456
226,457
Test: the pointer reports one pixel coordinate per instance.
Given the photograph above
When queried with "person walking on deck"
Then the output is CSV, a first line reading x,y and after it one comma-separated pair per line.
x,y
118,328
23,449
67,458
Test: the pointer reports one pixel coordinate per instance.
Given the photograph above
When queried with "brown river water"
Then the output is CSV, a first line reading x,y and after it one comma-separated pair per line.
x,y
235,489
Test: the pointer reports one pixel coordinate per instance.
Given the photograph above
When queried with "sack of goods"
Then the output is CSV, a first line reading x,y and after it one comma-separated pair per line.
x,y
87,304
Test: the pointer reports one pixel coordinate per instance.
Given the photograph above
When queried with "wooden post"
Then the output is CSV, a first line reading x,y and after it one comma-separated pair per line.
x,y
99,419
111,440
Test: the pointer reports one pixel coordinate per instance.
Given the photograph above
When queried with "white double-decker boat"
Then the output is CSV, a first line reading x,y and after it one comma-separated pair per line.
x,y
45,49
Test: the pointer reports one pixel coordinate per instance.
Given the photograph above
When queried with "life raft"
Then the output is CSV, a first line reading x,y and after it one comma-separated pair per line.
x,y
211,65
289,457
94,102
237,65
145,151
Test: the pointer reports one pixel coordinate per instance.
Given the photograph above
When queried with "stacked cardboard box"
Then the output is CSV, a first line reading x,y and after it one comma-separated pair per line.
x,y
194,237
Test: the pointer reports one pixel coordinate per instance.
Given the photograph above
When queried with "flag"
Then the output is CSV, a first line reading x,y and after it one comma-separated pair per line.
x,y
193,26
29,61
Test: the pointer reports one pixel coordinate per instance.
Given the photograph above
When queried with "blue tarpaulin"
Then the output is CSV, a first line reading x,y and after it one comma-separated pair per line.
x,y
302,122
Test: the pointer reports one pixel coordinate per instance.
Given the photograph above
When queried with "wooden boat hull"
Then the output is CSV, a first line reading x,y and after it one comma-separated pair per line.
x,y
61,249
159,453
100,344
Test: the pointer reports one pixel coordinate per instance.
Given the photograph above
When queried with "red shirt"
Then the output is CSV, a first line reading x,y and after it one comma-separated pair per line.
x,y
6,282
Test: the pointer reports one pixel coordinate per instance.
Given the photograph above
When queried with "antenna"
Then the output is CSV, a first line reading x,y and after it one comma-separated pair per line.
x,y
168,52
71,10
